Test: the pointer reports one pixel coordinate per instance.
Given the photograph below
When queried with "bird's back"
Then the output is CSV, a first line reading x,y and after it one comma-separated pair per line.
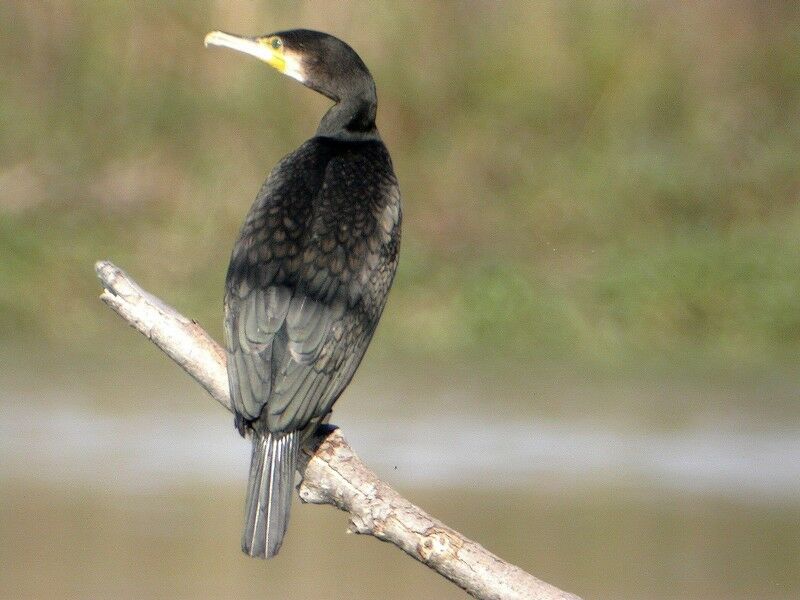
x,y
308,280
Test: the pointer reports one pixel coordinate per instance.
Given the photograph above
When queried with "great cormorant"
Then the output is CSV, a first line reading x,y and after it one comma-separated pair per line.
x,y
310,272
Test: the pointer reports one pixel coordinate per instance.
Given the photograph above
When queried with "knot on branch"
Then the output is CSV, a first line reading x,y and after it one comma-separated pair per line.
x,y
438,544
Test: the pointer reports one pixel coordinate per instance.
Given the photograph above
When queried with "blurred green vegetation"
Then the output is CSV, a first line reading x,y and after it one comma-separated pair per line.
x,y
608,183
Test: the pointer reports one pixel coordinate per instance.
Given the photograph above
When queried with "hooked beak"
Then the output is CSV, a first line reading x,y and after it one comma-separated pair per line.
x,y
258,47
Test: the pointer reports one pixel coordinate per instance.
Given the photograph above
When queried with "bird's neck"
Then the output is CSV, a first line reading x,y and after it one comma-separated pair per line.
x,y
352,118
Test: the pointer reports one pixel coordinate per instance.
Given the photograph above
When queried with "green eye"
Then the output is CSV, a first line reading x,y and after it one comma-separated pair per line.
x,y
276,43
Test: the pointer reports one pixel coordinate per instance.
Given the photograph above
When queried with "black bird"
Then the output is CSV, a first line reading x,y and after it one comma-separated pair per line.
x,y
310,272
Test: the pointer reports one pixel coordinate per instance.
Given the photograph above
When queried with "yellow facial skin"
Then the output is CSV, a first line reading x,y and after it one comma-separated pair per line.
x,y
268,49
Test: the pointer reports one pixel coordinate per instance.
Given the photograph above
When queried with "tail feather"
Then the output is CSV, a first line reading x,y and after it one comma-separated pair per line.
x,y
269,492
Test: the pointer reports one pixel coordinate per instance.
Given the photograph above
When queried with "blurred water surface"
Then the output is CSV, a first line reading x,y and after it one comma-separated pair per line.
x,y
153,451
146,501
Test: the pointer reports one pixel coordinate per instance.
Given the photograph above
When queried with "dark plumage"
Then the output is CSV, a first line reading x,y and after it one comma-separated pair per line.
x,y
309,274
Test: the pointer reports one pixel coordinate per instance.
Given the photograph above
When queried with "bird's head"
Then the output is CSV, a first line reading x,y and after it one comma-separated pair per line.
x,y
318,60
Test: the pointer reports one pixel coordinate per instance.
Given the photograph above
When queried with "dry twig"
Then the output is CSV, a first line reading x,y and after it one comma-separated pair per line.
x,y
334,474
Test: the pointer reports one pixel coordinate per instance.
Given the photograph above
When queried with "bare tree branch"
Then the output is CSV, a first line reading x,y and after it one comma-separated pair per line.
x,y
334,474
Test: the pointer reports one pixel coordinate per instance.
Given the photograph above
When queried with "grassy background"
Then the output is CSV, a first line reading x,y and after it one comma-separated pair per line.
x,y
610,184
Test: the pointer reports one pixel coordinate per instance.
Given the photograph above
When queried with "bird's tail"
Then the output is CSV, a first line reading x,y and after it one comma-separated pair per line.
x,y
269,492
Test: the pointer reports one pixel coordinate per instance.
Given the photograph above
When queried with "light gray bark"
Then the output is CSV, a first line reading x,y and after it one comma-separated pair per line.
x,y
334,474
